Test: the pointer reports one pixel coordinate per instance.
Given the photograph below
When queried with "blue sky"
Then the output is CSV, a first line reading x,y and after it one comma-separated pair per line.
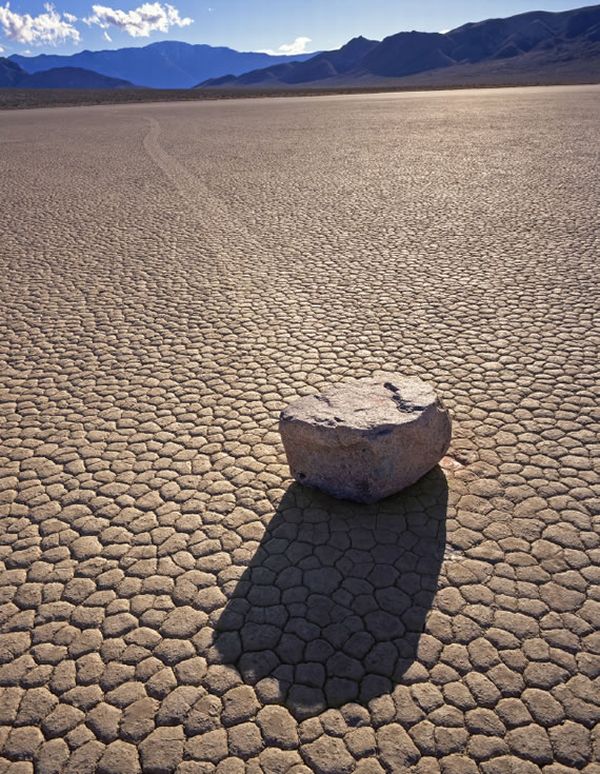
x,y
286,26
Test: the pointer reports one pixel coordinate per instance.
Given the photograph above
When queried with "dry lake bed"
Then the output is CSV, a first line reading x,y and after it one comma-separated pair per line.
x,y
172,276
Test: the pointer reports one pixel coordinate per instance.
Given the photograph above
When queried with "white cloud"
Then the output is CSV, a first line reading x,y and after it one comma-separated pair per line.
x,y
294,48
49,27
141,21
443,32
2,50
107,36
71,18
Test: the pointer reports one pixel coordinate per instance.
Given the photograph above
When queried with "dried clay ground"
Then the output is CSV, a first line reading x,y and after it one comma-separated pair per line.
x,y
173,275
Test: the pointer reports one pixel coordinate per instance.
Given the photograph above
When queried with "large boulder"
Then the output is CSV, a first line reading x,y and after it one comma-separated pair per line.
x,y
366,439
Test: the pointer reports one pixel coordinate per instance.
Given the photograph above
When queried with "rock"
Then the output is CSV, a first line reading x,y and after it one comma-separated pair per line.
x,y
84,760
240,704
138,719
162,750
22,743
328,756
210,746
397,750
86,547
119,758
245,740
182,622
366,439
571,744
61,720
104,722
278,727
52,757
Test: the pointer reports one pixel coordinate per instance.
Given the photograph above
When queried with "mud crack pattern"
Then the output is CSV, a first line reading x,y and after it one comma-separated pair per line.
x,y
172,276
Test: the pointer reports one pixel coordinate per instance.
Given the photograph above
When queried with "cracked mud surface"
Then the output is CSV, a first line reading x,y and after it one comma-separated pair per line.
x,y
172,276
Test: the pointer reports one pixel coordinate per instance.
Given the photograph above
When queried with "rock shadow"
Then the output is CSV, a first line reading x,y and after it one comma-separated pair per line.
x,y
332,605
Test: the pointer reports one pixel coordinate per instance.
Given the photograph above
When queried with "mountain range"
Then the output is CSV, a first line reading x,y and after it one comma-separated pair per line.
x,y
530,42
13,76
534,47
165,65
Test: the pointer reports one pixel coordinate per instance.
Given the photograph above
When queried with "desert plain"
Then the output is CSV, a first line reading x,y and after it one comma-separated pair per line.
x,y
172,276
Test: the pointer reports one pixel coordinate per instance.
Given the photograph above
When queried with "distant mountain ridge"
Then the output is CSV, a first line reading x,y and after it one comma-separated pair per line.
x,y
10,73
13,76
538,46
538,39
324,65
166,65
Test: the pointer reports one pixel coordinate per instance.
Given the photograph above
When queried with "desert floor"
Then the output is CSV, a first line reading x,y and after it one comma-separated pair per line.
x,y
173,275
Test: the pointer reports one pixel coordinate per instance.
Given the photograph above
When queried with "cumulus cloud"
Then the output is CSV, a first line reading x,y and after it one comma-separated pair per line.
x,y
2,49
71,18
141,21
49,27
294,48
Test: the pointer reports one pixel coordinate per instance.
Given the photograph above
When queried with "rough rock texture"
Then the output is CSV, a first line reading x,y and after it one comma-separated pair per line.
x,y
366,439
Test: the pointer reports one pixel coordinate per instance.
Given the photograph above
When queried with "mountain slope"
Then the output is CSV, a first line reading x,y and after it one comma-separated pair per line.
x,y
539,40
13,76
166,64
10,73
72,78
407,53
327,64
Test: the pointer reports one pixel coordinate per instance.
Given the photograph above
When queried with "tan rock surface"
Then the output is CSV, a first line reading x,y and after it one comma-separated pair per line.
x,y
366,439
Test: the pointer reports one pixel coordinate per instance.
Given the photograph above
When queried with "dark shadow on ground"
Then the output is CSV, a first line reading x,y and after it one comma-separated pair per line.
x,y
331,608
